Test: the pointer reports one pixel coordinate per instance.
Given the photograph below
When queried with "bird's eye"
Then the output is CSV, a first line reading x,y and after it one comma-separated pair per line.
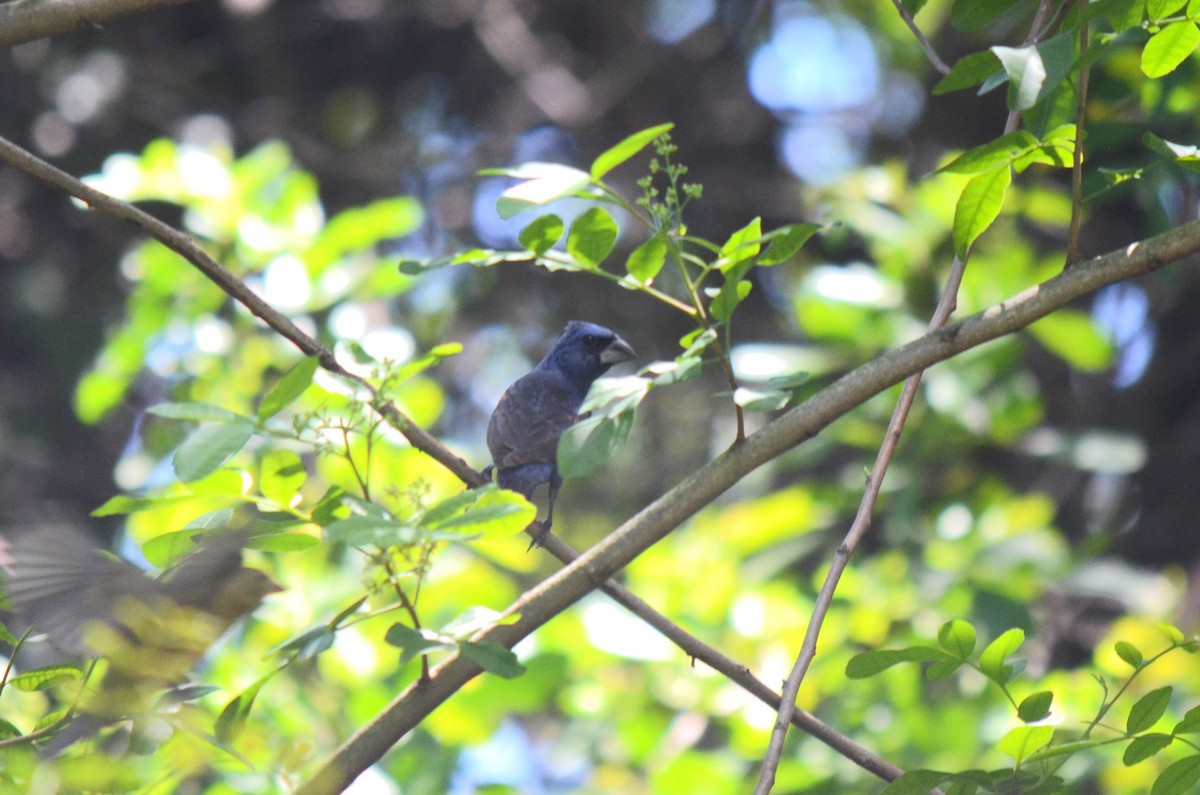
x,y
590,339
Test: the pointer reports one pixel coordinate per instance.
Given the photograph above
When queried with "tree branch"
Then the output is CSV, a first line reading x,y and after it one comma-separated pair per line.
x,y
654,522
27,20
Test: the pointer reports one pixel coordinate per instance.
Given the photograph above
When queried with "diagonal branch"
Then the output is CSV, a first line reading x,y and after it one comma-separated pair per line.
x,y
654,522
28,20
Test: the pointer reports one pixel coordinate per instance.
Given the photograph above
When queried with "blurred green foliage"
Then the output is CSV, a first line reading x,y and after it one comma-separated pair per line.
x,y
386,561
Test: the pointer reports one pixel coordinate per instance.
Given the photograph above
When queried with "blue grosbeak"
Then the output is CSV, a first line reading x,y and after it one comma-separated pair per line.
x,y
532,414
151,631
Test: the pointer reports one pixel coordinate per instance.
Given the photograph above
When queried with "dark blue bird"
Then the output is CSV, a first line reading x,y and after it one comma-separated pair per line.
x,y
532,414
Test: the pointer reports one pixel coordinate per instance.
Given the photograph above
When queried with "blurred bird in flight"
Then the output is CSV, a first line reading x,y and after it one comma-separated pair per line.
x,y
150,631
534,412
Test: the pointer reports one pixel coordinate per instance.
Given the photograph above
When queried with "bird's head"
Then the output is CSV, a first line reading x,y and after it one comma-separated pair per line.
x,y
585,351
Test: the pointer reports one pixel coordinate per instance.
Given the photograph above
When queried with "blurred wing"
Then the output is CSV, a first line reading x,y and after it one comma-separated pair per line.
x,y
59,582
195,581
530,418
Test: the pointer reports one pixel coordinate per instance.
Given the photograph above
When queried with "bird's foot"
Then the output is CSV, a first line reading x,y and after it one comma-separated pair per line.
x,y
540,536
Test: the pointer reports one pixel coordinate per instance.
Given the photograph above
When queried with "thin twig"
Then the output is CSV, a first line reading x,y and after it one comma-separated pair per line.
x,y
1077,161
858,528
926,45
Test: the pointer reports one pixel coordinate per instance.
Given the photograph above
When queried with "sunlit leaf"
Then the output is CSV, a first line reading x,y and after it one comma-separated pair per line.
x,y
1179,778
1035,707
958,638
970,70
371,531
540,235
592,236
979,206
871,663
281,476
1144,747
493,658
288,388
208,448
541,184
1148,709
1024,740
647,259
1034,71
43,678
616,155
1129,653
742,245
1168,48
589,443
732,293
992,154
992,659
786,241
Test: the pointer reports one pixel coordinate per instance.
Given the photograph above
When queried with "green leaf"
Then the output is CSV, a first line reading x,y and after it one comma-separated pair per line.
x,y
360,228
540,235
993,154
371,531
647,259
208,448
616,155
283,542
615,395
742,245
493,658
1129,653
732,293
200,412
492,511
1190,724
1072,335
1148,709
541,184
413,642
122,504
1158,9
1036,706
6,637
943,669
979,206
1168,48
96,773
1024,740
786,241
1180,778
870,663
588,444
1144,747
592,236
972,15
968,71
43,678
281,476
991,661
288,388
958,638
917,782
761,400
1035,71
233,717
166,548
1172,633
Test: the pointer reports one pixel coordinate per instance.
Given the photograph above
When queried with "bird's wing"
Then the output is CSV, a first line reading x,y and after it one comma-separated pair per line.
x,y
60,582
530,418
213,579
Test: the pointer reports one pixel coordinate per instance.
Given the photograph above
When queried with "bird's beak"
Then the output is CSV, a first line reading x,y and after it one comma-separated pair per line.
x,y
617,351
